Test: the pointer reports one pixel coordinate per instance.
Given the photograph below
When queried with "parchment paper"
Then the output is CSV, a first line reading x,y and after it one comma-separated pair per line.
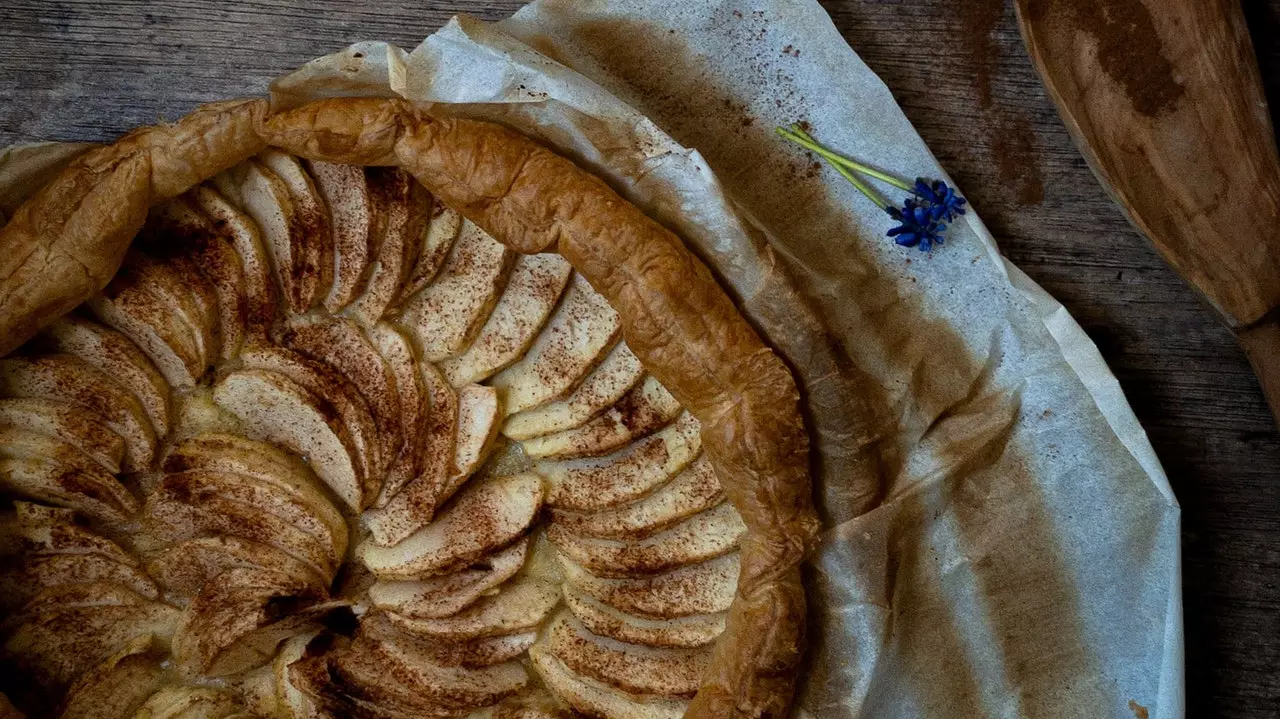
x,y
1001,540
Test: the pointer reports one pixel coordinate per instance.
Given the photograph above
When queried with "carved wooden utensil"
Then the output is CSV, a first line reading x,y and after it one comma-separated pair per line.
x,y
1164,100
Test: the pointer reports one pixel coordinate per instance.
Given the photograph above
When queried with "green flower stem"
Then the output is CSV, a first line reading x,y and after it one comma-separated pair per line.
x,y
803,139
853,179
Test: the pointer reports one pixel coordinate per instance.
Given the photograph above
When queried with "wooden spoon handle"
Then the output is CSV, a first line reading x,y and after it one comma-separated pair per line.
x,y
1261,344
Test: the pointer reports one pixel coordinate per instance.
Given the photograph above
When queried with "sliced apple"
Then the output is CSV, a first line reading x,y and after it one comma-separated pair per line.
x,y
56,647
616,374
472,653
260,294
204,306
36,574
437,239
479,412
235,623
703,588
76,426
263,196
280,411
640,412
117,356
483,518
518,606
596,483
415,505
327,383
119,686
353,221
573,342
448,594
61,597
257,691
311,222
593,698
292,702
43,533
694,490
95,494
630,667
271,495
532,291
178,228
185,568
448,313
701,537
188,702
403,207
341,343
178,511
694,630
68,378
415,407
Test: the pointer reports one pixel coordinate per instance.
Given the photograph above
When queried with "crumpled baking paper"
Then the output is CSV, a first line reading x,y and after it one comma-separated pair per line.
x,y
1000,538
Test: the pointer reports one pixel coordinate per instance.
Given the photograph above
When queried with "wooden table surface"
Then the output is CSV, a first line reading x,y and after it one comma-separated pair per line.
x,y
92,69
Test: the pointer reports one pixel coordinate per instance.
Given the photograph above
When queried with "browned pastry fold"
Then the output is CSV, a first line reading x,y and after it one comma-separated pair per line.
x,y
67,240
676,318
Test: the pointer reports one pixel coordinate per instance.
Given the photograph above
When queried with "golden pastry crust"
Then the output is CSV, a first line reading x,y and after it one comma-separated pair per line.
x,y
675,316
68,239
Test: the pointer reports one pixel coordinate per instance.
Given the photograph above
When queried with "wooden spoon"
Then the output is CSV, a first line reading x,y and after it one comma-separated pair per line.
x,y
1164,100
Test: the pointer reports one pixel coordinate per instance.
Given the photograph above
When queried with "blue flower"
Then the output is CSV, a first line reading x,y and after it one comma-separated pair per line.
x,y
941,199
917,225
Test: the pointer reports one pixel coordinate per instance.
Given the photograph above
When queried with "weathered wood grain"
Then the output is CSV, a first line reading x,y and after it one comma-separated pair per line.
x,y
959,70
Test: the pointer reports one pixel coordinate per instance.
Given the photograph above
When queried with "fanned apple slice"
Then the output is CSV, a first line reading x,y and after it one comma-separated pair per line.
x,y
694,490
479,412
694,630
117,356
483,518
472,653
280,411
257,691
596,483
343,345
35,574
175,512
193,305
703,588
177,228
415,505
616,374
701,537
203,305
353,220
532,291
314,264
415,407
327,383
437,239
573,342
260,295
640,412
235,623
292,703
76,426
518,606
188,702
271,495
184,568
43,534
68,378
132,304
265,463
263,196
592,698
403,207
446,315
95,493
118,687
61,596
56,647
632,668
448,594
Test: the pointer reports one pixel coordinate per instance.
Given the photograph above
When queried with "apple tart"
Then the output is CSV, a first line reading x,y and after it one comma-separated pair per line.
x,y
357,410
